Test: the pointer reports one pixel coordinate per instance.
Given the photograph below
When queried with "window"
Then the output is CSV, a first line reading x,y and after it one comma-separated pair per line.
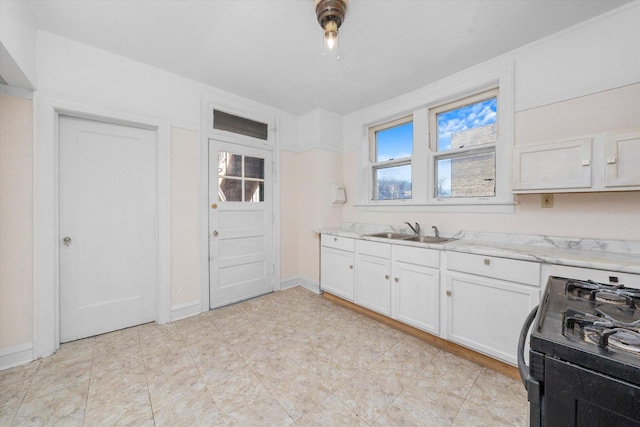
x,y
240,178
456,156
391,148
463,136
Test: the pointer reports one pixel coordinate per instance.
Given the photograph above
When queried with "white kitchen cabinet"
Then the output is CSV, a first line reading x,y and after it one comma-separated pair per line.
x,y
622,152
401,282
487,300
373,282
373,285
601,162
416,289
553,166
337,266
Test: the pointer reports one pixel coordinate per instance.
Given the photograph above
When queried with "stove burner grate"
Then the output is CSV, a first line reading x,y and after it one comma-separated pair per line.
x,y
604,294
603,330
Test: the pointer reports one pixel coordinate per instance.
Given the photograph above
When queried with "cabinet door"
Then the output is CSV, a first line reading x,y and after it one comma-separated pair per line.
x,y
552,166
416,296
373,289
336,272
487,314
623,158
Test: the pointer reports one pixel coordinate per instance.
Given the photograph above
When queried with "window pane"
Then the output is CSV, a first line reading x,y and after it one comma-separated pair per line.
x,y
469,125
467,176
392,183
229,164
253,167
254,191
230,190
394,143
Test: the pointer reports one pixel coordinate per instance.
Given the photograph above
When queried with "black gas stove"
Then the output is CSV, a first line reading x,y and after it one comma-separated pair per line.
x,y
584,358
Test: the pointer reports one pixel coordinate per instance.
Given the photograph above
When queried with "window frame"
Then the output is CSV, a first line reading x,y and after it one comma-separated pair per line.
x,y
461,85
386,164
454,153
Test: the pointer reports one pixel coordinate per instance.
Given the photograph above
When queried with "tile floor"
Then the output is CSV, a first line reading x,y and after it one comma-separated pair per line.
x,y
288,358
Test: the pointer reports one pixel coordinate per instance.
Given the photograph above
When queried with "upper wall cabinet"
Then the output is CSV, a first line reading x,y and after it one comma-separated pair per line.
x,y
622,151
603,162
559,165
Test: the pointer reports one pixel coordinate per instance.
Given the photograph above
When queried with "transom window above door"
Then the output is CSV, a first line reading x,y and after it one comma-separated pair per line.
x,y
240,178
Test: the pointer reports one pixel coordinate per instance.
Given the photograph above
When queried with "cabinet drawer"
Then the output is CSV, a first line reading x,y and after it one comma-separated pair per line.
x,y
344,243
419,256
500,268
382,250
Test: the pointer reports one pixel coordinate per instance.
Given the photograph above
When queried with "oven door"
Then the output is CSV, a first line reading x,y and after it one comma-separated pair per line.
x,y
575,396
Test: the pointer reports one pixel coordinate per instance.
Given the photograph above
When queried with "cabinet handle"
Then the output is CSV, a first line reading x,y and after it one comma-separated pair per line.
x,y
586,162
386,276
487,261
448,293
611,160
396,280
351,267
335,239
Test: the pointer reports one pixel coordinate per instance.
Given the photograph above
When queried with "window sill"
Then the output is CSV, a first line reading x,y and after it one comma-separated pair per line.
x,y
443,207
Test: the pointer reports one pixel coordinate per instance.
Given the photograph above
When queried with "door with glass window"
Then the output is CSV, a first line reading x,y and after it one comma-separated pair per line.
x,y
240,222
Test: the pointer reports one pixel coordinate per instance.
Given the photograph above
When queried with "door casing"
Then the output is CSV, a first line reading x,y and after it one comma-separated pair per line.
x,y
272,143
46,285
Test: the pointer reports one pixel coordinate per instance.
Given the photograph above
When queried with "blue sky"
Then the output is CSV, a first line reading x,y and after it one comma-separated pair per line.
x,y
395,143
471,116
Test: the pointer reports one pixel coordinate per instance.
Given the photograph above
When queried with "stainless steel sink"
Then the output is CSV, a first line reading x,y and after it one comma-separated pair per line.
x,y
429,239
389,235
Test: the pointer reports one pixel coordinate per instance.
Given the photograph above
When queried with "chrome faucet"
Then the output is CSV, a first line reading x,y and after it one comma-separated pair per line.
x,y
435,229
416,229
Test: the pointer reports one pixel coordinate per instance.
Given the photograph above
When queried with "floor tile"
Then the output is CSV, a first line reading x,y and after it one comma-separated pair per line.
x,y
330,412
65,406
287,358
503,396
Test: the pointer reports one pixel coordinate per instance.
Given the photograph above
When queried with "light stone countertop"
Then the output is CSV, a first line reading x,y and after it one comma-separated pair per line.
x,y
611,255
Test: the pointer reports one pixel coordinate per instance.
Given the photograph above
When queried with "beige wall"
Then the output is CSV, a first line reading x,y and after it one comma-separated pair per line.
x,y
305,205
16,221
185,221
289,225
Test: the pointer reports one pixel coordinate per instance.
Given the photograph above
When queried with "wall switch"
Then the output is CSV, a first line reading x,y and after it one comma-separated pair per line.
x,y
546,201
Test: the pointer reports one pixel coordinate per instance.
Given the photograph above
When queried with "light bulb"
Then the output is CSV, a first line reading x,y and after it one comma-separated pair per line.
x,y
331,39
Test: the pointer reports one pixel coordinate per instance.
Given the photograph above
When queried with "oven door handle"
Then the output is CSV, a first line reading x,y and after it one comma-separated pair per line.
x,y
522,365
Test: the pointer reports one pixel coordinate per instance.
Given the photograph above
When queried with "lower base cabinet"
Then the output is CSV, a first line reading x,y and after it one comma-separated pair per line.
x,y
416,296
401,282
486,313
337,266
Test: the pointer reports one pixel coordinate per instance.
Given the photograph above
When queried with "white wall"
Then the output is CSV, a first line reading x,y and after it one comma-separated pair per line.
x,y
17,44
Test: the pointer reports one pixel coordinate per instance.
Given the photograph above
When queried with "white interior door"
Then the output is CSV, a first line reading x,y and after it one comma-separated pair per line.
x,y
240,222
107,227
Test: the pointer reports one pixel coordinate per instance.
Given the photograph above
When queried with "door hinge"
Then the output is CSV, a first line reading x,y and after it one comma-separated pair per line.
x,y
273,218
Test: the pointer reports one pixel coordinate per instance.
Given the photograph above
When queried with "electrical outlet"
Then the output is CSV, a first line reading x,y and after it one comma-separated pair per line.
x,y
546,201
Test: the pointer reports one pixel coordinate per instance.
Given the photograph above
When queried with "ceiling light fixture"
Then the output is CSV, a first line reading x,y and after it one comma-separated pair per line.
x,y
330,15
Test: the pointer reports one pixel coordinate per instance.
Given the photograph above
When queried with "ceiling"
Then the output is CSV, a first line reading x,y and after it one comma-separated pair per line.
x,y
271,50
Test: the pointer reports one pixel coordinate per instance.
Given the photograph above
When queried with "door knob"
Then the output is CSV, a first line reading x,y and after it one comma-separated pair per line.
x,y
215,233
67,241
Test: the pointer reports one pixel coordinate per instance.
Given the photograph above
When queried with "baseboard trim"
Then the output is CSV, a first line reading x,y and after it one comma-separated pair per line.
x,y
187,309
458,350
294,281
16,355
